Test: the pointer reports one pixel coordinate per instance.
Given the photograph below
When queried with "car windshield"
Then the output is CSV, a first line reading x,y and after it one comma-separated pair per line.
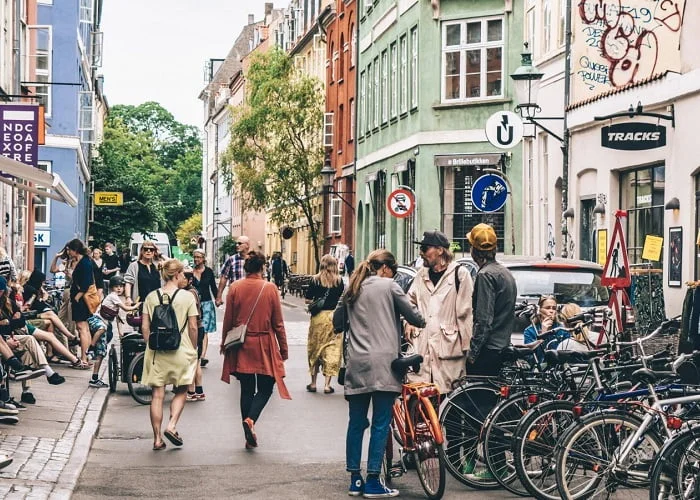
x,y
567,285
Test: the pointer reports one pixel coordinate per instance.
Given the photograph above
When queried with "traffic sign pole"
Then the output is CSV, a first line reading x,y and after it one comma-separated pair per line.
x,y
512,208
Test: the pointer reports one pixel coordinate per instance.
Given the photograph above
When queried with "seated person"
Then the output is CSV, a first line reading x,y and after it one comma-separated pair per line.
x,y
35,297
33,356
585,337
544,321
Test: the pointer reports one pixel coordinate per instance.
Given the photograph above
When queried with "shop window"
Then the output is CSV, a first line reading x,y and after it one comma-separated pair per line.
x,y
587,248
642,196
408,179
459,214
42,204
379,199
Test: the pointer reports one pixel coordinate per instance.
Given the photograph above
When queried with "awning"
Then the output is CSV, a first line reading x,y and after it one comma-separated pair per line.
x,y
23,172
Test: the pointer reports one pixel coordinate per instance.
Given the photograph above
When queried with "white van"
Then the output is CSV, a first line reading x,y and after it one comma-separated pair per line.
x,y
160,239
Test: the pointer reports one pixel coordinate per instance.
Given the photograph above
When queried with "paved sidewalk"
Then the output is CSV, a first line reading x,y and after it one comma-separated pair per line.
x,y
51,442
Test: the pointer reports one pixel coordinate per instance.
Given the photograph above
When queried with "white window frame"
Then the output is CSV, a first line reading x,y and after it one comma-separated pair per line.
x,y
47,167
351,105
335,215
394,100
328,130
385,86
370,98
377,93
86,116
363,104
546,26
353,47
530,23
403,74
483,46
97,38
43,75
562,23
85,10
414,67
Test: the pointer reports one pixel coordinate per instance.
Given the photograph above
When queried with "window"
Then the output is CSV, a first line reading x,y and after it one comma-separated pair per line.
x,y
353,46
341,57
377,93
370,98
331,63
341,128
86,11
403,75
380,210
42,204
546,26
394,96
472,59
335,215
385,87
39,62
414,68
408,178
562,23
530,29
642,195
328,130
351,128
363,104
86,118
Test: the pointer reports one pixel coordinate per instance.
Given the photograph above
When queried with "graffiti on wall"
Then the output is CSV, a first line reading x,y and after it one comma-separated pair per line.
x,y
618,42
551,242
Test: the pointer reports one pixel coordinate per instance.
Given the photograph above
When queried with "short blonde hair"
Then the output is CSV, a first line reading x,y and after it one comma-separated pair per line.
x,y
170,269
24,277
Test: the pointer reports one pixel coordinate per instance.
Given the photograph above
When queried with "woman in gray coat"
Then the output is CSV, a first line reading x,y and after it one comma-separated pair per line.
x,y
373,303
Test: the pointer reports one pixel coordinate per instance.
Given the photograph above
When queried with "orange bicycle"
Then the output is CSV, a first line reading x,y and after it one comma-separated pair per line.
x,y
415,428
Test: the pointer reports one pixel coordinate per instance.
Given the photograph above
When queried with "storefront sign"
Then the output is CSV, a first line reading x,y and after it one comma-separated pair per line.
x,y
489,193
19,132
42,238
633,136
114,199
401,203
602,246
468,160
652,248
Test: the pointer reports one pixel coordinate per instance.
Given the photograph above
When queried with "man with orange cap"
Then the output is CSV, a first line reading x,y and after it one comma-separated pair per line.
x,y
493,303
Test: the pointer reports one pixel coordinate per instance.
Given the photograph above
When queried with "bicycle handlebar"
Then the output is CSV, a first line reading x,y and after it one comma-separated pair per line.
x,y
670,323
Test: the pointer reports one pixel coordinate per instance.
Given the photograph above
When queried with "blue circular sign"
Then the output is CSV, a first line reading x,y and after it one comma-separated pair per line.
x,y
489,193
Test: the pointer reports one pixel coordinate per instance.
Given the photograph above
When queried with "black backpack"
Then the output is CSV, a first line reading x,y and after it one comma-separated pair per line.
x,y
165,334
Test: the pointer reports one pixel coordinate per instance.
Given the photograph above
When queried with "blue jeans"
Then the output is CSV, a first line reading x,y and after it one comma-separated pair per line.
x,y
381,417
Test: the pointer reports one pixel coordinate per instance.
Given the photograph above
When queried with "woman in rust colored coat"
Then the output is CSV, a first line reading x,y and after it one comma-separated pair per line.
x,y
259,362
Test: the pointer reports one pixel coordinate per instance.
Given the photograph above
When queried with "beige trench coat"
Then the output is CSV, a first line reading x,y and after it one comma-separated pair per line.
x,y
444,342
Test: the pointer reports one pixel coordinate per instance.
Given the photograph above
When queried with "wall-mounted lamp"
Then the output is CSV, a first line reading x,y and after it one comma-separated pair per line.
x,y
569,213
673,204
599,209
416,151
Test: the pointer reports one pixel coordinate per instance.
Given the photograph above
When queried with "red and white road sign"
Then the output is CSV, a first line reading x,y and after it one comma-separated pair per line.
x,y
617,268
401,203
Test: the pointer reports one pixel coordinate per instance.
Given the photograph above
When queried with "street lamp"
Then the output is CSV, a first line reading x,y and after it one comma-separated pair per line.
x,y
527,84
327,177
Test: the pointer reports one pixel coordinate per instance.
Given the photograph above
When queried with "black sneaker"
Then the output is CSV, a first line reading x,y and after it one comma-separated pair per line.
x,y
16,404
56,379
7,409
98,384
28,397
203,362
25,373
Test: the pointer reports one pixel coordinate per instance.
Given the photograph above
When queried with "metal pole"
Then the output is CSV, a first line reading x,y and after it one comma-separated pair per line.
x,y
565,143
512,204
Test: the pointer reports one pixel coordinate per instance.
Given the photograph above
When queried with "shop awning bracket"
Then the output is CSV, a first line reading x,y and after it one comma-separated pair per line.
x,y
633,112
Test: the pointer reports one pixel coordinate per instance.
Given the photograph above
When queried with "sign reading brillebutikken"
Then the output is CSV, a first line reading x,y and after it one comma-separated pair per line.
x,y
19,133
632,136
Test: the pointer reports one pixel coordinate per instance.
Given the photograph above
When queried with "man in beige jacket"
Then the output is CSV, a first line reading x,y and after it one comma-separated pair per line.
x,y
442,291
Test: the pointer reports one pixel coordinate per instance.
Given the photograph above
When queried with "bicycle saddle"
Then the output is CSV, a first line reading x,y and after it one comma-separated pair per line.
x,y
512,353
401,365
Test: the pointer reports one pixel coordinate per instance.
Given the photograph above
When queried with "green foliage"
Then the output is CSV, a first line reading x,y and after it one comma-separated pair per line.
x,y
275,155
191,228
156,162
227,247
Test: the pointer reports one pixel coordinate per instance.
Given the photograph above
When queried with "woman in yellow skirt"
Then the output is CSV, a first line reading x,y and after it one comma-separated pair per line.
x,y
324,346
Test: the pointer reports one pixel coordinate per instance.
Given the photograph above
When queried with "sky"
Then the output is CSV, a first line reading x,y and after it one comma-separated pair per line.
x,y
155,50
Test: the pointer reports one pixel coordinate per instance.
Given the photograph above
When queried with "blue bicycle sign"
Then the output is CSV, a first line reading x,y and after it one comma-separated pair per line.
x,y
489,193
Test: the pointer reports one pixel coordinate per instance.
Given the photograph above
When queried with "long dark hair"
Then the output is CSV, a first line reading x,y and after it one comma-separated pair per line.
x,y
77,246
375,260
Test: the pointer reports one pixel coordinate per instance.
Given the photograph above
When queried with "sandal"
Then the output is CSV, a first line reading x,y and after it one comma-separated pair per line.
x,y
78,364
310,388
158,447
328,390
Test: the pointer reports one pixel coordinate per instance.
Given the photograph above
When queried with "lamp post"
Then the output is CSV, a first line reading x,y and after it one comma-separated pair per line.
x,y
526,80
328,177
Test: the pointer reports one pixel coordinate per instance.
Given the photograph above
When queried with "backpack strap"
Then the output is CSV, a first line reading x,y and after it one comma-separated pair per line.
x,y
457,281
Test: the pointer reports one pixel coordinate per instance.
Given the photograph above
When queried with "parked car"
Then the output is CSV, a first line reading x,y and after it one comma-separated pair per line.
x,y
568,280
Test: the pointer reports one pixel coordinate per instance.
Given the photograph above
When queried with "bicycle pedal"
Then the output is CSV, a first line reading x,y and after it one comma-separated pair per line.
x,y
396,472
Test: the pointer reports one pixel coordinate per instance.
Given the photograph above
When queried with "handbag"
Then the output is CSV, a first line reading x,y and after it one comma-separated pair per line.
x,y
92,299
317,305
235,337
346,330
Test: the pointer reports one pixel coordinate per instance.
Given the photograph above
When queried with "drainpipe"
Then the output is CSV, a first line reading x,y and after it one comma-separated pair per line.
x,y
357,113
565,144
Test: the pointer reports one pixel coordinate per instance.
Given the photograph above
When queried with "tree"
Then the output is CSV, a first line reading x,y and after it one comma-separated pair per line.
x,y
191,228
275,155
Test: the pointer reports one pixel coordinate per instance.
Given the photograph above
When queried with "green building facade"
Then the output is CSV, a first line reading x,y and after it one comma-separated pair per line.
x,y
431,73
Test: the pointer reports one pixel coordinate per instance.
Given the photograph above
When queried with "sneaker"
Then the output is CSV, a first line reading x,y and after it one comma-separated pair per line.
x,y
201,396
249,431
484,475
28,397
374,488
97,384
192,397
12,403
25,373
203,362
357,485
5,460
468,467
7,409
56,379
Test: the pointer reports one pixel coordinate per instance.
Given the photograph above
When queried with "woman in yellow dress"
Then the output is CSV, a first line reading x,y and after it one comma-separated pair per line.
x,y
177,368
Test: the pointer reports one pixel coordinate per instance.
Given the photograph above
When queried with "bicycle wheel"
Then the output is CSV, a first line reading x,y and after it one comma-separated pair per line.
x,y
141,393
498,433
462,415
113,368
534,442
587,463
676,471
428,456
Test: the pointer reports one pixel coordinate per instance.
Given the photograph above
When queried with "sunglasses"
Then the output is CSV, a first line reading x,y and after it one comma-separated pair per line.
x,y
424,248
148,249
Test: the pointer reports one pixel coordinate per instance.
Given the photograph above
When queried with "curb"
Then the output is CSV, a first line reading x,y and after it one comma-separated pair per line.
x,y
82,429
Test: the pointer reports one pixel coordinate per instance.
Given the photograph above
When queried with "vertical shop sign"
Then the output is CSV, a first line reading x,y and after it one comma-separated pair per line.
x,y
19,133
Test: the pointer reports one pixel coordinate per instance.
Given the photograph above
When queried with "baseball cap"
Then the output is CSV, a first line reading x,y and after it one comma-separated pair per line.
x,y
482,237
3,284
434,239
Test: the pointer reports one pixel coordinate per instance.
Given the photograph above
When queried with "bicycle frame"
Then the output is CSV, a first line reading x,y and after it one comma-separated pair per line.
x,y
411,394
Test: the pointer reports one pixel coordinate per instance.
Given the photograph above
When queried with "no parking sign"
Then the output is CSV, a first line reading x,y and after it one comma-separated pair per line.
x,y
401,203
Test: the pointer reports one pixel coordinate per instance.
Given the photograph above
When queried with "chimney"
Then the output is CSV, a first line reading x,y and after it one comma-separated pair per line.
x,y
251,18
268,8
